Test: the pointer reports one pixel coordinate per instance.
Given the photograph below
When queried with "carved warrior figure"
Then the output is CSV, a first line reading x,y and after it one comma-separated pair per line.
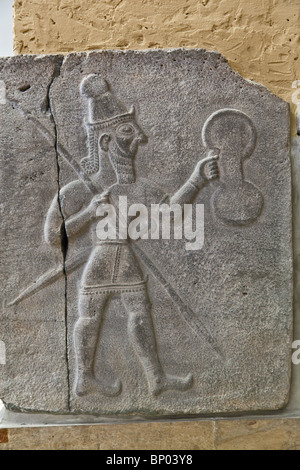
x,y
112,268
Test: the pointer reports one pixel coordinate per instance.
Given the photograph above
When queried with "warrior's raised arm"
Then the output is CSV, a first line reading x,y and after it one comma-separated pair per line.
x,y
205,171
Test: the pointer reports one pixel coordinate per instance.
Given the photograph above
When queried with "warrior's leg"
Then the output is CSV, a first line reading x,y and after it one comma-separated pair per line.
x,y
141,333
86,334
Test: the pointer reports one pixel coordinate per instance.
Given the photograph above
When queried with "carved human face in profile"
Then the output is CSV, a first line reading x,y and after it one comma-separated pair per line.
x,y
124,139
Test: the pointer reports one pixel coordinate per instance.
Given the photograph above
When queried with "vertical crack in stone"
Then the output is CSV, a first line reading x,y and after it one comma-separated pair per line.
x,y
64,237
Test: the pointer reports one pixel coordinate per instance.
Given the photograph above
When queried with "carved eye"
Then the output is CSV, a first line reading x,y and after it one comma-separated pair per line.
x,y
125,129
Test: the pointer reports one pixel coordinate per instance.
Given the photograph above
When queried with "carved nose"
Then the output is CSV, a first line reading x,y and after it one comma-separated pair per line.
x,y
143,139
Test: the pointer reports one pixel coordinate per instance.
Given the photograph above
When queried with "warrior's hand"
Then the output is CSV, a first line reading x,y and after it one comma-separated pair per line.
x,y
97,201
208,168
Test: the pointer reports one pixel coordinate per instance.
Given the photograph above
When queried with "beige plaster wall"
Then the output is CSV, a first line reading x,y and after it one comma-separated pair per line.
x,y
271,434
260,38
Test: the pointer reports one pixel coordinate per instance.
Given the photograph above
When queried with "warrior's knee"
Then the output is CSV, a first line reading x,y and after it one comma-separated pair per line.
x,y
88,308
138,305
140,317
83,323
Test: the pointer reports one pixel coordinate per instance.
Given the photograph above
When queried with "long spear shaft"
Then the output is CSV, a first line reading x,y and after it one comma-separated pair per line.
x,y
186,312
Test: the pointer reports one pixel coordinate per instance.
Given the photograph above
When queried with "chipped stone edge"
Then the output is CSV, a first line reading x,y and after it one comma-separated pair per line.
x,y
59,63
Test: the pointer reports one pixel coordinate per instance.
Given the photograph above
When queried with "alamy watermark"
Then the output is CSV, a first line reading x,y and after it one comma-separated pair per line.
x,y
160,221
296,354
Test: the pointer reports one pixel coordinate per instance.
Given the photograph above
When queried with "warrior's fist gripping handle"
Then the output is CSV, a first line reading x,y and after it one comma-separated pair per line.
x,y
208,167
97,201
205,171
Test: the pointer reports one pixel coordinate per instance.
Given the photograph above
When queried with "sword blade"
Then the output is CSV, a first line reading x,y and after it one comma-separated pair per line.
x,y
51,276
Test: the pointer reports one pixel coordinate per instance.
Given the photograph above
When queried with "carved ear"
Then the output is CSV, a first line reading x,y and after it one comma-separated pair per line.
x,y
104,142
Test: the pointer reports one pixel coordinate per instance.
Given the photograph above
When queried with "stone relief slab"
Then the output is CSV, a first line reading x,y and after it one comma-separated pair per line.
x,y
146,324
33,375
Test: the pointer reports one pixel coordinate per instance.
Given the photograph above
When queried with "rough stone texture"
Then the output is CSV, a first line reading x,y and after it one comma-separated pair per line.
x,y
239,285
259,38
294,405
33,332
254,36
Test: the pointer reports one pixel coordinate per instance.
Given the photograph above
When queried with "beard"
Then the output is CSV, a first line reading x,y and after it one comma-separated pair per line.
x,y
123,165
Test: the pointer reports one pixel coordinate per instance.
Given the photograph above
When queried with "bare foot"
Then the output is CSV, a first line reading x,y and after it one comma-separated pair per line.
x,y
88,384
169,382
